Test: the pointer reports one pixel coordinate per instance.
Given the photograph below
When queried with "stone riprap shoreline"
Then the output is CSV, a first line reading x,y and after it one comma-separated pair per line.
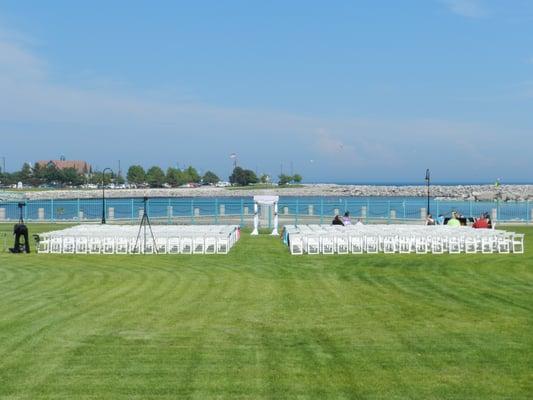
x,y
457,192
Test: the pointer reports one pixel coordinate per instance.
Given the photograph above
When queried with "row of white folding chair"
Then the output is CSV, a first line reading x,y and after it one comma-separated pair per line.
x,y
386,229
126,231
343,244
110,245
437,239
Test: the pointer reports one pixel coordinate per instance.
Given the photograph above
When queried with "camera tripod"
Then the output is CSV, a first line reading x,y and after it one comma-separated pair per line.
x,y
143,227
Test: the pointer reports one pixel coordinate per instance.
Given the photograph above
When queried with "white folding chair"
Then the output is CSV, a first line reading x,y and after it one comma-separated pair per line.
x,y
44,246
421,245
95,245
328,245
108,245
389,244
487,245
437,245
342,244
186,245
405,244
134,246
173,245
518,243
222,245
148,246
504,243
454,245
357,244
121,246
56,245
81,245
296,245
210,245
471,245
69,245
161,245
313,245
372,244
198,245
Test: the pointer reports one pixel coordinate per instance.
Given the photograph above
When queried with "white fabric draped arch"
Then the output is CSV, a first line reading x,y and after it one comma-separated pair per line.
x,y
269,201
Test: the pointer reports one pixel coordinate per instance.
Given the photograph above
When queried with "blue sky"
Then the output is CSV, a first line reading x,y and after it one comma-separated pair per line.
x,y
344,90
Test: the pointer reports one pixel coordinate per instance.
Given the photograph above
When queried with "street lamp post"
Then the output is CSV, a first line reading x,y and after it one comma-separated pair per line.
x,y
103,192
428,178
233,156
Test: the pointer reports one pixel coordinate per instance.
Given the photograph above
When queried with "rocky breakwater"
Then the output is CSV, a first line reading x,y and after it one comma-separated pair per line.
x,y
457,192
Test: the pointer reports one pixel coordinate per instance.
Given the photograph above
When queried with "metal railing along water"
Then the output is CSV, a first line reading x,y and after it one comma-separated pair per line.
x,y
292,210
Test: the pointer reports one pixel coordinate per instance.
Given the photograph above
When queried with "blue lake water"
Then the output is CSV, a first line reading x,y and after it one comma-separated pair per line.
x,y
369,207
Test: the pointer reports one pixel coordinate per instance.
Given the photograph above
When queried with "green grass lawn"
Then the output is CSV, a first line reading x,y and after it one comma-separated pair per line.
x,y
260,323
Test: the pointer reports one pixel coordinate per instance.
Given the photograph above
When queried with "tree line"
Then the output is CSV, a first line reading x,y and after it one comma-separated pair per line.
x,y
174,177
245,177
50,175
155,177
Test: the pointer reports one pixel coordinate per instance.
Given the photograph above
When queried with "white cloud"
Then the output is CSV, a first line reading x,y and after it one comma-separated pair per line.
x,y
467,8
18,64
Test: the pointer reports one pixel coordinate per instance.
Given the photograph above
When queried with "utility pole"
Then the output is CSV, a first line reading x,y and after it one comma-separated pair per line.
x,y
3,164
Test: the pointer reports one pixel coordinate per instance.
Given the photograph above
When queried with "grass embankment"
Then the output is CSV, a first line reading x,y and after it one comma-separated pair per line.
x,y
259,323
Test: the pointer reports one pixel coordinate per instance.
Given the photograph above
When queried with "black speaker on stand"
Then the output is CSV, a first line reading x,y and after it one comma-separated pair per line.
x,y
20,230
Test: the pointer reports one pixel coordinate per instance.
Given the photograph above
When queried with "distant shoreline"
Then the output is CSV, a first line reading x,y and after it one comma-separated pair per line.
x,y
514,192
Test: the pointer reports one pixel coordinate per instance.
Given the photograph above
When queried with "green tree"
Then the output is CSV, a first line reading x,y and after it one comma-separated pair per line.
x,y
25,174
155,177
237,176
171,176
251,177
70,176
37,175
136,174
297,178
284,179
52,175
175,177
192,175
96,178
242,177
8,179
264,178
210,177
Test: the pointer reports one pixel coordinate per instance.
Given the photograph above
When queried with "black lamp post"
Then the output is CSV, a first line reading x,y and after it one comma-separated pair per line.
x,y
428,177
103,192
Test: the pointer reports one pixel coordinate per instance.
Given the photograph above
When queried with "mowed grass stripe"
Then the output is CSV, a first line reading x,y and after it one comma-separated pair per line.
x,y
259,323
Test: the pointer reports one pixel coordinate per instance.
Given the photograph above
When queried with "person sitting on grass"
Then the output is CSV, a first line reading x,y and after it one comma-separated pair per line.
x,y
337,221
453,221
